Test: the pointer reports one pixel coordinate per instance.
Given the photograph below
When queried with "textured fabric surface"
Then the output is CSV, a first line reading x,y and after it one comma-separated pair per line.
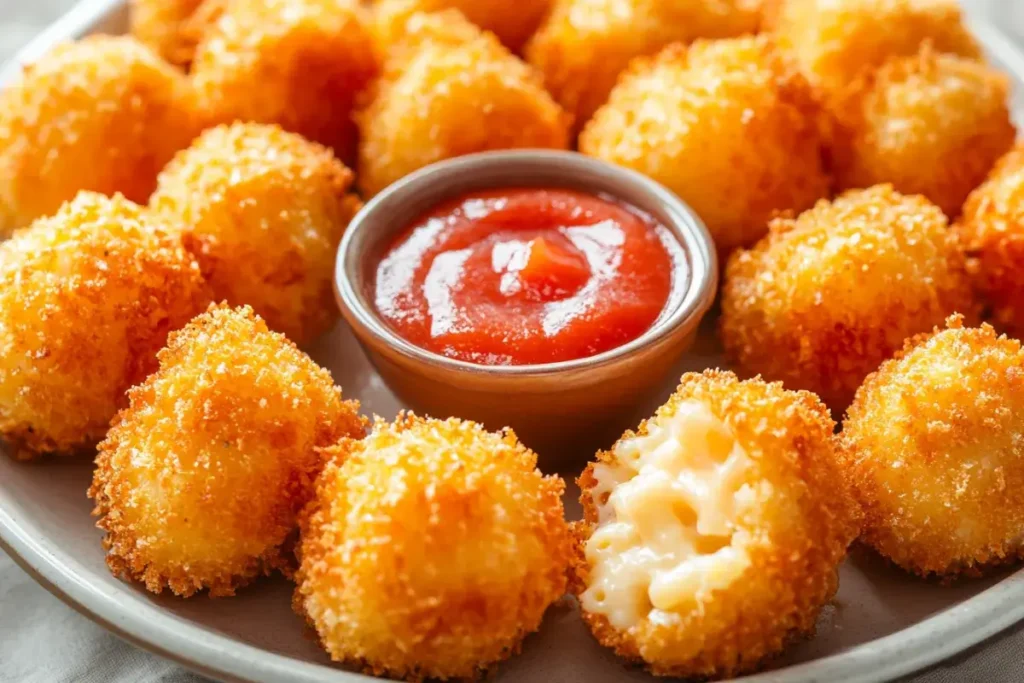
x,y
44,641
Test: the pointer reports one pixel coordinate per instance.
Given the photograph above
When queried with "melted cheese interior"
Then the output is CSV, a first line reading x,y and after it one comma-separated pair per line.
x,y
666,534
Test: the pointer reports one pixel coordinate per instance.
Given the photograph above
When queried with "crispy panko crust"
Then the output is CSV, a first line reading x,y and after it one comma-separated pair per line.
x,y
87,298
836,42
199,482
297,63
729,125
583,45
171,28
933,446
431,549
931,124
991,229
450,89
796,543
103,114
263,211
513,21
824,298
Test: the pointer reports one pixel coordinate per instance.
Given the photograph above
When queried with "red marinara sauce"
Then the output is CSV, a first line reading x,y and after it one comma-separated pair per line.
x,y
527,276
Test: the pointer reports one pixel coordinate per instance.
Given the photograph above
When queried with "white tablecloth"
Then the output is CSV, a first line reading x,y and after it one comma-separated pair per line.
x,y
44,641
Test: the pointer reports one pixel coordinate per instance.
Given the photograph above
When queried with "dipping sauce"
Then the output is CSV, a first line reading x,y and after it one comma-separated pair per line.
x,y
527,276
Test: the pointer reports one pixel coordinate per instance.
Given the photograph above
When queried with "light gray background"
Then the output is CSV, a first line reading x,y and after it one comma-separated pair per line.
x,y
43,641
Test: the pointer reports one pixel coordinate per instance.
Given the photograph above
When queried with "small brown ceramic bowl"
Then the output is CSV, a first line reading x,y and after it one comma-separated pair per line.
x,y
562,410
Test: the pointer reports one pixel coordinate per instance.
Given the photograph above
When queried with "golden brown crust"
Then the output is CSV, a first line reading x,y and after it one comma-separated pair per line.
x,y
297,63
583,45
932,446
87,298
824,298
103,114
430,549
263,211
687,118
931,124
199,482
991,229
168,27
513,21
837,42
450,89
796,543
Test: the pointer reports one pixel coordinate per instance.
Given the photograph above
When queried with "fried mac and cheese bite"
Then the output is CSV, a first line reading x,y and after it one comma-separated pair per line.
x,y
103,114
431,549
934,449
171,28
728,125
824,298
513,21
200,479
583,45
297,63
931,124
713,535
263,211
449,90
87,298
836,42
991,229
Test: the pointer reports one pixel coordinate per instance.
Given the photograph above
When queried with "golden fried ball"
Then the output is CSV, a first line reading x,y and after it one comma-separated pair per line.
x,y
930,124
583,45
991,229
824,298
712,537
200,479
431,549
726,124
263,211
297,63
934,448
103,114
87,298
513,21
171,28
835,42
451,90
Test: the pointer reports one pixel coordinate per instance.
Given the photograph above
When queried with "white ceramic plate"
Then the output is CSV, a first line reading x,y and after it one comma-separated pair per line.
x,y
881,625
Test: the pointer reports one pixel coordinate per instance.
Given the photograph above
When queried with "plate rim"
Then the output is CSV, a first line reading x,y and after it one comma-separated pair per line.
x,y
913,649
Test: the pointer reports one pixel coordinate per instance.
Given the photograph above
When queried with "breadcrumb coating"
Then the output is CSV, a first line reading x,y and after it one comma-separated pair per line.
x,y
930,124
728,125
793,517
991,229
836,42
449,90
103,114
583,45
199,482
934,449
824,298
87,298
297,63
431,549
171,28
513,21
263,211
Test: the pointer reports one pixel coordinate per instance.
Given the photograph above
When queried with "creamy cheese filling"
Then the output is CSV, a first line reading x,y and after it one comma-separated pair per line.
x,y
667,510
